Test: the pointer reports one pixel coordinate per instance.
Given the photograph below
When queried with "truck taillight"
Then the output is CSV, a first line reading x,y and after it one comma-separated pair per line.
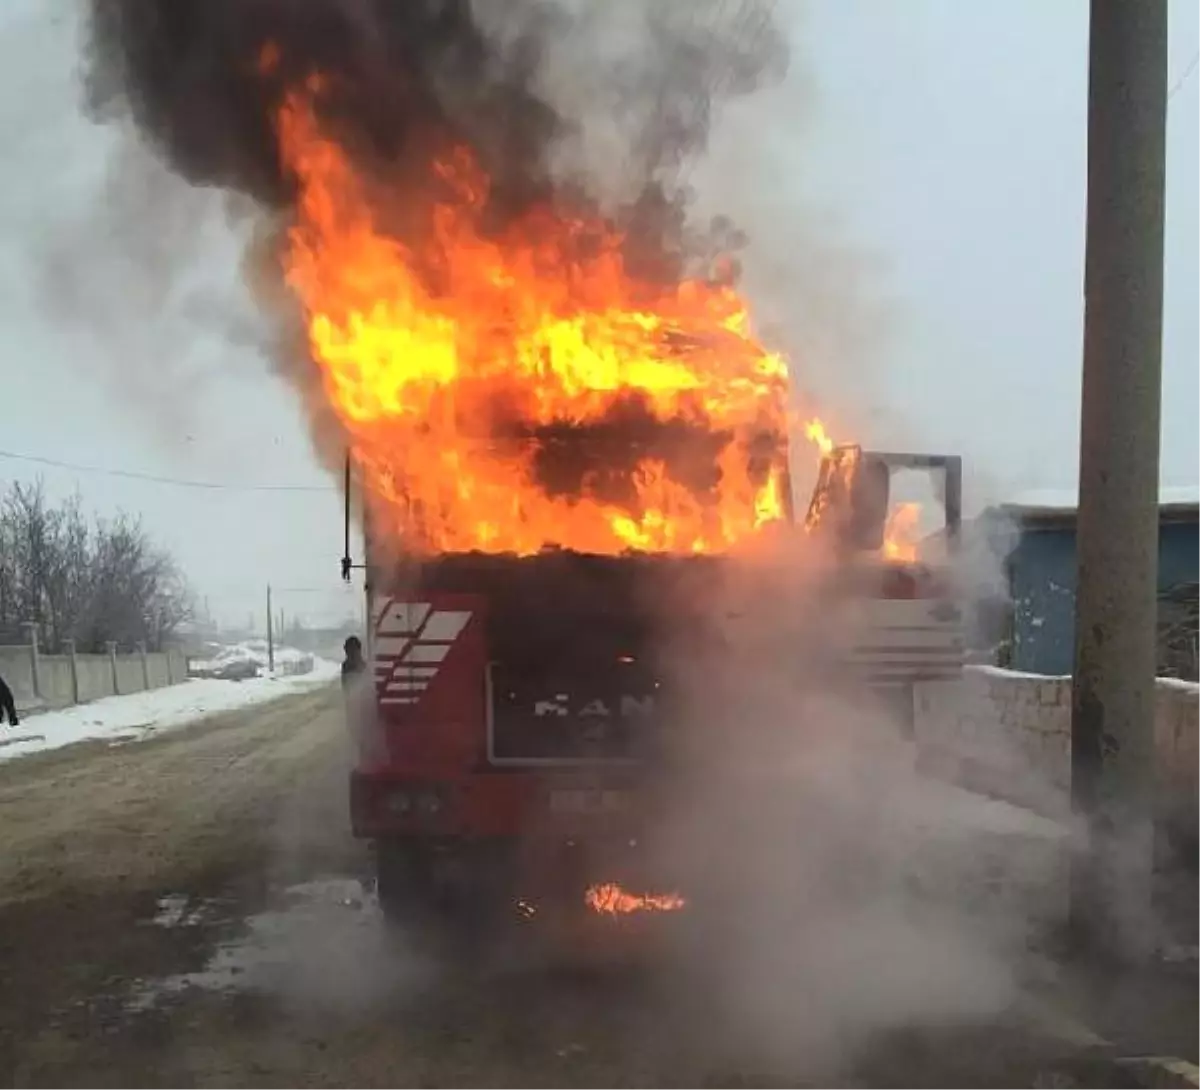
x,y
417,800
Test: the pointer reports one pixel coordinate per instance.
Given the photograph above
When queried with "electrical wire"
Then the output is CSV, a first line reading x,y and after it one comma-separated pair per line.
x,y
153,478
1178,84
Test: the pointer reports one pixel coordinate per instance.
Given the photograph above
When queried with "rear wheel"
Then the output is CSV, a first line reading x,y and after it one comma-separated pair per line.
x,y
455,897
402,882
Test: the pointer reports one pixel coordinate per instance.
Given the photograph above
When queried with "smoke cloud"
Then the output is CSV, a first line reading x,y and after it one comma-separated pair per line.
x,y
835,894
518,82
840,893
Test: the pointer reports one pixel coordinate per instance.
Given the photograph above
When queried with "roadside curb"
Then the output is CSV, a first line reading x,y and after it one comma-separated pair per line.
x,y
1098,1061
1063,1027
1161,1071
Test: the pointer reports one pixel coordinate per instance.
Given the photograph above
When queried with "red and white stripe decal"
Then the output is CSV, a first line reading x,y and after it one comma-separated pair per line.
x,y
411,641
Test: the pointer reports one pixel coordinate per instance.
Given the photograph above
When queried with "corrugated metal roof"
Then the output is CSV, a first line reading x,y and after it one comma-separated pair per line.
x,y
1057,508
1058,499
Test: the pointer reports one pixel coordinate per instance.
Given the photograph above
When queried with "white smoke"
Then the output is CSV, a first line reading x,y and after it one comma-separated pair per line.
x,y
839,893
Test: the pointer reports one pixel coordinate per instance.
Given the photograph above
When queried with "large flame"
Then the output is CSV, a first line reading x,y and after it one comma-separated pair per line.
x,y
512,388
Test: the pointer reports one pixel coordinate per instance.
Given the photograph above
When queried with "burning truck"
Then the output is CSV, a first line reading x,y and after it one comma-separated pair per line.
x,y
525,707
558,413
559,453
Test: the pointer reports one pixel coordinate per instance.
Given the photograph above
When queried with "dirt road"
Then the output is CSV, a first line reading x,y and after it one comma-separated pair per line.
x,y
96,837
192,912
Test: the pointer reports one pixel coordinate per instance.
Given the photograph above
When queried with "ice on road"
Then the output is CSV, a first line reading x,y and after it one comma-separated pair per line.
x,y
138,716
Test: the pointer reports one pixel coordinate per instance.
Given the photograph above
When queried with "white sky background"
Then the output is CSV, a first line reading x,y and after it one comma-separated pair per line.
x,y
915,200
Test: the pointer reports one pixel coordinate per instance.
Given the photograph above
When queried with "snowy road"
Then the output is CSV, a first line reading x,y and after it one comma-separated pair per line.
x,y
190,911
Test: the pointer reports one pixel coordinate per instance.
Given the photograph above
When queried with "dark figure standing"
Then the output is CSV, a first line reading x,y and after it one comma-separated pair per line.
x,y
354,663
359,700
7,704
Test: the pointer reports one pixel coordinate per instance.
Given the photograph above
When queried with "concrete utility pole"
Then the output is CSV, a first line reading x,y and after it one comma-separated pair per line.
x,y
1112,711
270,633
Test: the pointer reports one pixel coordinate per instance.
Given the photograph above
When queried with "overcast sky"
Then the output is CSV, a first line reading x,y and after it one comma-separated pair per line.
x,y
914,196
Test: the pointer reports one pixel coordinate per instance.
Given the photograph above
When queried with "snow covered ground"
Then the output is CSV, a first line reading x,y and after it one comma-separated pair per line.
x,y
134,718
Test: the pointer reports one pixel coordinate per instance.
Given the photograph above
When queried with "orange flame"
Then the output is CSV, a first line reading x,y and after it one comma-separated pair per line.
x,y
449,363
815,431
610,899
900,533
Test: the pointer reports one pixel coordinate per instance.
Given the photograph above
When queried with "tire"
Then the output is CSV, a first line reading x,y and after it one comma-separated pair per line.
x,y
403,882
456,918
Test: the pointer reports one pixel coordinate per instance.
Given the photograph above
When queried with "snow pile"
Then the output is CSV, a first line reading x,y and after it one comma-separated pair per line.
x,y
139,716
249,659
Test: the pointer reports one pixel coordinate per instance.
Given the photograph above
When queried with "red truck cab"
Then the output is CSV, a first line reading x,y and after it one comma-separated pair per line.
x,y
520,702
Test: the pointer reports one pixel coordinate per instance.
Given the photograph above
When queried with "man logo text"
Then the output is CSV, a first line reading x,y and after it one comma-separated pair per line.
x,y
623,707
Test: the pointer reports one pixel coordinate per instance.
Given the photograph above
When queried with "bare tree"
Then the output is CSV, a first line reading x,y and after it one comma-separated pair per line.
x,y
94,584
9,575
28,547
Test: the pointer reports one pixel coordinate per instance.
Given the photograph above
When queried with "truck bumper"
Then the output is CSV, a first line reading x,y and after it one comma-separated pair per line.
x,y
386,805
452,830
485,805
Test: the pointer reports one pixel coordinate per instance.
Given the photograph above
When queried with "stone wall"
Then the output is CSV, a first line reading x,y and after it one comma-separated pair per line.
x,y
1175,735
1009,734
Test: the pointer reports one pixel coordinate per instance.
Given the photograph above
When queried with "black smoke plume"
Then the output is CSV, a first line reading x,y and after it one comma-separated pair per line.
x,y
521,83
203,79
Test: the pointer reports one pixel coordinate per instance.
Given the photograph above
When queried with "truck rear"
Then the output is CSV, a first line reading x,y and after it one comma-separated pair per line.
x,y
528,711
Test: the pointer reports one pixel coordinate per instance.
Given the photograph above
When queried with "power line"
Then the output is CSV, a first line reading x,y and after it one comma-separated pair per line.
x,y
1187,72
152,478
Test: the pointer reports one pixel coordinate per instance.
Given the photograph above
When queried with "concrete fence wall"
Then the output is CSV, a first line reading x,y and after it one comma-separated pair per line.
x,y
159,669
131,678
55,681
1009,734
16,667
95,677
62,680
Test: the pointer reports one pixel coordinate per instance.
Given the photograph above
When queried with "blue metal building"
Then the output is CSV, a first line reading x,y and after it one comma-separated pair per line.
x,y
1041,576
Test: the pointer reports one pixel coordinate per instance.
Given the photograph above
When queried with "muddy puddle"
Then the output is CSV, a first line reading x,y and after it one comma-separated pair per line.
x,y
322,942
